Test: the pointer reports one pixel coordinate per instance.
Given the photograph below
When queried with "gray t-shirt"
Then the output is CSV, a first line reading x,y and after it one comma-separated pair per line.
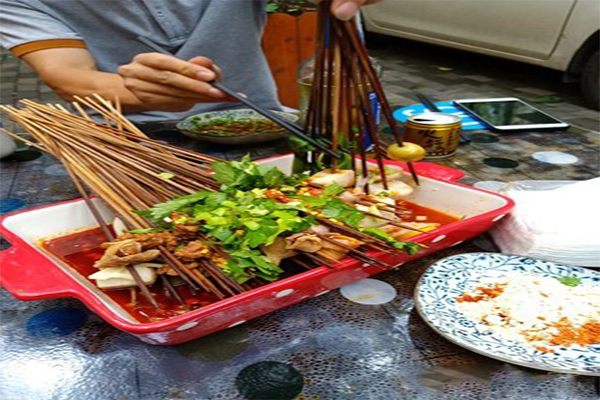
x,y
227,31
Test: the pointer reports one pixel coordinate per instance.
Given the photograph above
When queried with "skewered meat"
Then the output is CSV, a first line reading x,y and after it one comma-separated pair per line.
x,y
124,247
351,195
193,250
277,251
304,242
335,252
111,260
403,234
186,231
150,240
343,177
374,222
314,244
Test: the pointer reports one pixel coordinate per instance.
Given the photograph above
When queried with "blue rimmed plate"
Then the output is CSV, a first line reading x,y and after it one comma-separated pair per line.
x,y
449,278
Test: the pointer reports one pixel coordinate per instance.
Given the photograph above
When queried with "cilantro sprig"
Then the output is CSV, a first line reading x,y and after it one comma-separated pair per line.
x,y
246,175
241,221
569,280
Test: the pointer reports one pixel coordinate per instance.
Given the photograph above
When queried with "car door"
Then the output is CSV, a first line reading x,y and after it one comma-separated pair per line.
x,y
527,28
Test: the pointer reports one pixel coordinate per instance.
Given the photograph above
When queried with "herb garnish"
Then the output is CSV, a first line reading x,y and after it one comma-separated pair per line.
x,y
569,280
147,230
241,221
246,175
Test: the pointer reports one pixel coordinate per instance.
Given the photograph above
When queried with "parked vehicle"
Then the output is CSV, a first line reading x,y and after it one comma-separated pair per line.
x,y
558,34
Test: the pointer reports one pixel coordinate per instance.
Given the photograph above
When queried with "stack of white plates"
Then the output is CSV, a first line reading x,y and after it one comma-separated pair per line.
x,y
561,224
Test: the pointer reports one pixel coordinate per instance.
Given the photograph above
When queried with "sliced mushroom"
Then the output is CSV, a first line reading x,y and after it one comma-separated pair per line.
x,y
277,251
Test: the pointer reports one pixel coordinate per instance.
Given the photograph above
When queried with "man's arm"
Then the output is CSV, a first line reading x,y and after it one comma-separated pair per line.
x,y
72,72
150,82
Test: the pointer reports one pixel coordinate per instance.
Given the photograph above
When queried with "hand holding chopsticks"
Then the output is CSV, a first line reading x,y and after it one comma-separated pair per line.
x,y
296,130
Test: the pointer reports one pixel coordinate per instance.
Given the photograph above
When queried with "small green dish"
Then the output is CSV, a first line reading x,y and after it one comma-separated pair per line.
x,y
234,126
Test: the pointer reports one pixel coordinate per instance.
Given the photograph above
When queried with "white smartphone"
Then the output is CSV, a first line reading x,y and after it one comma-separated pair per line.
x,y
509,114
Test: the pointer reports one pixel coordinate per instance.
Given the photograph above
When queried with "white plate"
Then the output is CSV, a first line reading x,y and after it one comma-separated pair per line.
x,y
450,277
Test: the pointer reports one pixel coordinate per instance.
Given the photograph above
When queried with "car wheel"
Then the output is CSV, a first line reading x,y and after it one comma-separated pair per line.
x,y
590,85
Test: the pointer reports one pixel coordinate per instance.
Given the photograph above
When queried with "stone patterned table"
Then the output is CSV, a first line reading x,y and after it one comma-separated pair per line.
x,y
327,347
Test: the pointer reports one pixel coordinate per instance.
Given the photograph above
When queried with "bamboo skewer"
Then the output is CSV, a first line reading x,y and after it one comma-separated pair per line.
x,y
357,254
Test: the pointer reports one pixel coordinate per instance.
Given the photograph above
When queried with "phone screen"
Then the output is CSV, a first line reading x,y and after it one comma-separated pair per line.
x,y
510,112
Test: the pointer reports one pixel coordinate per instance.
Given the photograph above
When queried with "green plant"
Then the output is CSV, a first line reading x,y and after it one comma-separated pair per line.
x,y
293,7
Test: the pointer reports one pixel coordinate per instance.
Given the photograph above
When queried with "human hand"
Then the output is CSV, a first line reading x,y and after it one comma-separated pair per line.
x,y
166,83
345,10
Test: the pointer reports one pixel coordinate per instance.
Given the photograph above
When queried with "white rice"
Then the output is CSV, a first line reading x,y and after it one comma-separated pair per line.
x,y
531,304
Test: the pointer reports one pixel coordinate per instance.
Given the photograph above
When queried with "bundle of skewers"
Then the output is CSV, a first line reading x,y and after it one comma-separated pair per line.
x,y
340,111
228,227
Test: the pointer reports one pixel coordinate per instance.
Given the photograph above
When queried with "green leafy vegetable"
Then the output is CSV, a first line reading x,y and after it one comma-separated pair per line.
x,y
246,175
147,230
166,175
409,247
333,190
570,280
164,210
337,209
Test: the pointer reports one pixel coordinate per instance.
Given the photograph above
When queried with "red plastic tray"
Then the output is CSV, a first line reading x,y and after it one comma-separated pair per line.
x,y
30,274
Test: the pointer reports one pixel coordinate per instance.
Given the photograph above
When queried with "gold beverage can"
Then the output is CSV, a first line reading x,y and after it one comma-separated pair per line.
x,y
437,133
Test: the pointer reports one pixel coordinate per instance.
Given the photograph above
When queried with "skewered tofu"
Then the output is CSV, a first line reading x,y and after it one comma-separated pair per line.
x,y
396,190
343,177
120,278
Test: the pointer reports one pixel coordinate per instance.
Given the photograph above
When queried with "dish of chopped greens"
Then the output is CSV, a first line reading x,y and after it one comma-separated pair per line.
x,y
233,123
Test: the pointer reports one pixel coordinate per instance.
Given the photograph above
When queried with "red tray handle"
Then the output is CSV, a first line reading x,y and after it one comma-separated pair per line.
x,y
430,170
29,275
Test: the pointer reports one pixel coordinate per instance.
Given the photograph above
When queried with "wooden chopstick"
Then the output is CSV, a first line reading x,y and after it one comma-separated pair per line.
x,y
296,130
426,101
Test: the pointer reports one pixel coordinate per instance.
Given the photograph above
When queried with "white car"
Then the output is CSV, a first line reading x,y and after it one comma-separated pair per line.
x,y
558,34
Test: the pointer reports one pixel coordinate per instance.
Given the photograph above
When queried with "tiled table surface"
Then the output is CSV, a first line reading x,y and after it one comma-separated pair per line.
x,y
336,349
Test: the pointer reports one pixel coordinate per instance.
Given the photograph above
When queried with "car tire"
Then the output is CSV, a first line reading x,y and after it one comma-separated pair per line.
x,y
590,85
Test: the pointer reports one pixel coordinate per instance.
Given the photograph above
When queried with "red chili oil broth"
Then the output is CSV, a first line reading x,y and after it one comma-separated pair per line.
x,y
81,249
433,216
